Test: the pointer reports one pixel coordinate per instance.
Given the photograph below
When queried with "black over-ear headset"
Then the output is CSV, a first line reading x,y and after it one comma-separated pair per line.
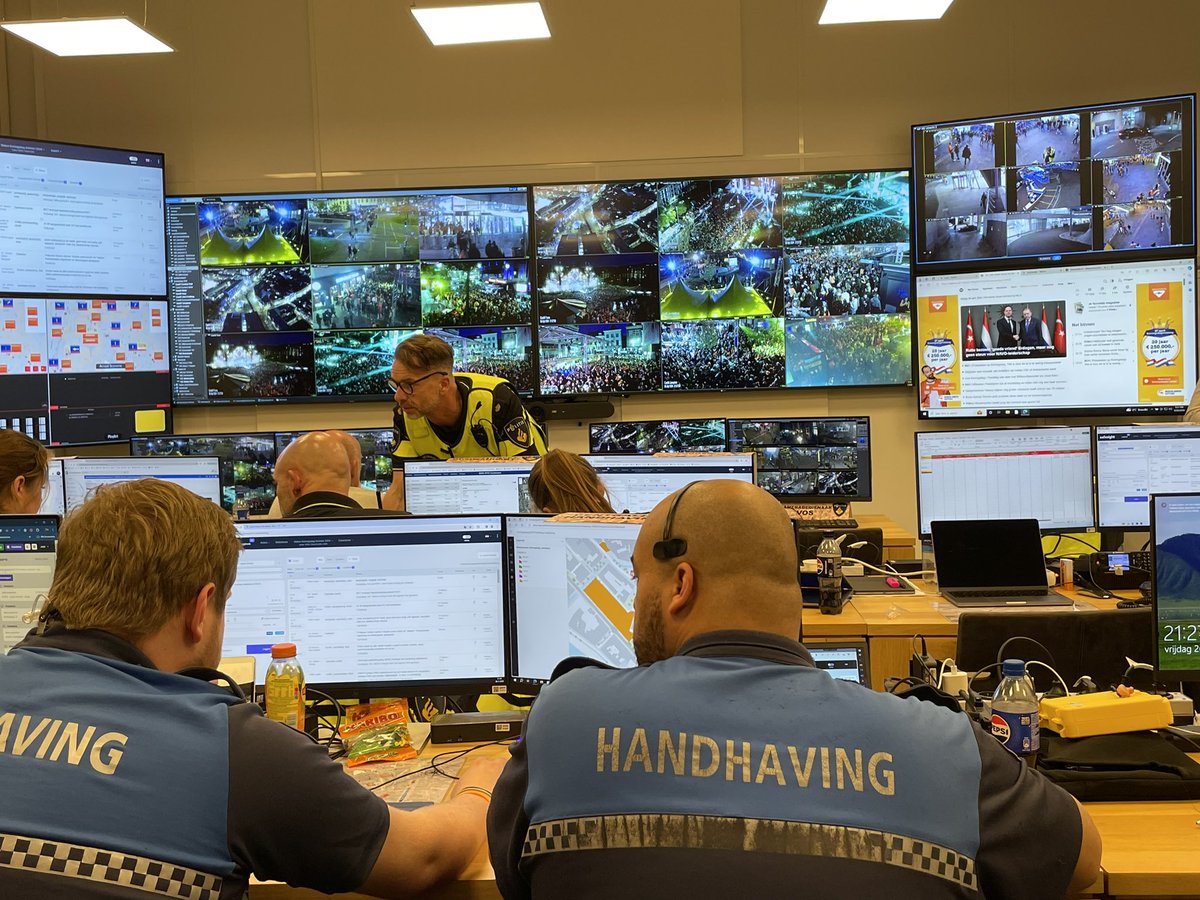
x,y
669,547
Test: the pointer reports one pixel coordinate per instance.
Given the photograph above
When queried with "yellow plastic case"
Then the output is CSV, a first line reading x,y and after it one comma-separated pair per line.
x,y
1084,715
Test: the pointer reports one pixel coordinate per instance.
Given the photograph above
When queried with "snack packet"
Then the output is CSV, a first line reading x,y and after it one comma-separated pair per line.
x,y
377,732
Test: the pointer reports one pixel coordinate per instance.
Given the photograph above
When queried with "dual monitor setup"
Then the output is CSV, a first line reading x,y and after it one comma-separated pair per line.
x,y
418,604
1048,270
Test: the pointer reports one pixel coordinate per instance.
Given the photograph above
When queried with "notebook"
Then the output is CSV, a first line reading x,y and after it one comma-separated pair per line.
x,y
992,562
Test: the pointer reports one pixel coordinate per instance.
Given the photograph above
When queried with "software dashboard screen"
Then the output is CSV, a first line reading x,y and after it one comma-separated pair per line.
x,y
54,503
1079,340
1133,462
27,548
1070,182
80,221
571,592
82,475
1006,473
302,297
667,436
639,483
820,460
435,487
386,603
376,445
247,463
718,283
84,371
1175,536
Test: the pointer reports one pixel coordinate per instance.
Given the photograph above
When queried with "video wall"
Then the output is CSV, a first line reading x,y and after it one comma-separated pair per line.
x,y
715,284
305,297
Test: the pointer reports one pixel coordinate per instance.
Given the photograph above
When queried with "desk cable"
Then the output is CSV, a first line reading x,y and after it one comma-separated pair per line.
x,y
436,762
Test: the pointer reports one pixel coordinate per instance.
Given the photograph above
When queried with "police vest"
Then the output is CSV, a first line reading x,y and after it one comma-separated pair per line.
x,y
481,436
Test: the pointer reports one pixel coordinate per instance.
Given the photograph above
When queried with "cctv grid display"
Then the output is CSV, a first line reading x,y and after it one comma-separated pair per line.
x,y
84,355
822,460
657,436
1175,584
248,460
1054,261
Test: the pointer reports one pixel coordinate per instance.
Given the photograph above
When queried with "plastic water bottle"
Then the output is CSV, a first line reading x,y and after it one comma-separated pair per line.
x,y
1015,710
285,687
829,575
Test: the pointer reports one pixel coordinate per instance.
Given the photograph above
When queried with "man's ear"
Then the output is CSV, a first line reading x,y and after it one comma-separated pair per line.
x,y
683,592
198,614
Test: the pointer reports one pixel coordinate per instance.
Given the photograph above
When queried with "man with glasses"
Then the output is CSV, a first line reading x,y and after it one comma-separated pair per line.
x,y
443,414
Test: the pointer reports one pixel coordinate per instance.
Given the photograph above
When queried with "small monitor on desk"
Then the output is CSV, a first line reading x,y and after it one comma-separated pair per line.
x,y
434,487
54,504
637,484
1175,539
27,553
1135,461
375,473
845,661
376,607
809,460
199,474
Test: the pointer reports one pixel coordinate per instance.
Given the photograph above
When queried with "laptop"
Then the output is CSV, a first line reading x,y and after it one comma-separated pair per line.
x,y
992,562
845,660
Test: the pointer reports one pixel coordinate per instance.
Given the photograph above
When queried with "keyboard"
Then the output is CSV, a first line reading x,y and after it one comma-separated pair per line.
x,y
997,592
835,524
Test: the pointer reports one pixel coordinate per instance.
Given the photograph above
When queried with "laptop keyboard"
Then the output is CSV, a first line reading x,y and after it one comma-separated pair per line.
x,y
997,592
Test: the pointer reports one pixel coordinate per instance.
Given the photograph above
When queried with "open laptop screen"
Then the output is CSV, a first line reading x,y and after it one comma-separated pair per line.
x,y
984,553
846,662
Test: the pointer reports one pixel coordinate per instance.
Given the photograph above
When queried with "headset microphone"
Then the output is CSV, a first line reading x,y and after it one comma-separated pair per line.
x,y
669,547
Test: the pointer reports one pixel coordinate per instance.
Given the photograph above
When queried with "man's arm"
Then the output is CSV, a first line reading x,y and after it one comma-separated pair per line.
x,y
1087,867
429,846
517,434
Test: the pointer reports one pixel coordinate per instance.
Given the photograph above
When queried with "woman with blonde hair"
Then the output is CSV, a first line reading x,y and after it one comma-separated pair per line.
x,y
24,470
562,482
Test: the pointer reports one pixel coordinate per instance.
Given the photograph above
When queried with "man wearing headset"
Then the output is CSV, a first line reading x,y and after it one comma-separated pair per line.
x,y
443,414
726,764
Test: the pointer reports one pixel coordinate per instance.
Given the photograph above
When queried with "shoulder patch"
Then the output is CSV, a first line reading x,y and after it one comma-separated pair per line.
x,y
517,431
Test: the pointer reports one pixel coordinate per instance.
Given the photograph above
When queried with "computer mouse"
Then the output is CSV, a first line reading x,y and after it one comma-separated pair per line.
x,y
892,581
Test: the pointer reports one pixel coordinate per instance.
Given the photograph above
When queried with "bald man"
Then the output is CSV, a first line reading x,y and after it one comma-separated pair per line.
x,y
726,764
312,479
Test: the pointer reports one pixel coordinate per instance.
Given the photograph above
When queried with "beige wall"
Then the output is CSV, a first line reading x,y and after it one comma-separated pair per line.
x,y
299,94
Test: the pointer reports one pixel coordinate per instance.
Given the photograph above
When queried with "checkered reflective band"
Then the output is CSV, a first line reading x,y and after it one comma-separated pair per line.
x,y
91,864
755,835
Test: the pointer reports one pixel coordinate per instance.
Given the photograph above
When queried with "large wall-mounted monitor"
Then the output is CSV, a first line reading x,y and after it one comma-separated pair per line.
x,y
1006,473
247,463
808,460
304,297
725,283
1175,539
1135,461
375,472
377,607
1060,184
84,370
79,221
83,474
658,436
1109,338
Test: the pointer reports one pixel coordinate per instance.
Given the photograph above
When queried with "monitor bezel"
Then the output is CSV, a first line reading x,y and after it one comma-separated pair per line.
x,y
807,498
1167,675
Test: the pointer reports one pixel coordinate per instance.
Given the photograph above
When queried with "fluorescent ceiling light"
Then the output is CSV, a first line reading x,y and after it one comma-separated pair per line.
x,y
840,11
88,37
480,24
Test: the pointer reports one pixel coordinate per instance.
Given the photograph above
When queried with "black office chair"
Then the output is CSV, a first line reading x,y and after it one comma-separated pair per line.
x,y
1082,642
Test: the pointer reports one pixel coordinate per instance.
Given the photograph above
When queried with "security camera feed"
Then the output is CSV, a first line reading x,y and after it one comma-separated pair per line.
x,y
814,460
362,229
722,354
600,359
721,285
375,473
670,436
718,214
247,463
304,298
742,262
576,290
84,371
596,219
253,232
1083,180
474,226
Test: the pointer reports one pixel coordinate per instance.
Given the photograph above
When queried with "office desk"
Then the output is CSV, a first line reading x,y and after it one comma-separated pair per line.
x,y
897,542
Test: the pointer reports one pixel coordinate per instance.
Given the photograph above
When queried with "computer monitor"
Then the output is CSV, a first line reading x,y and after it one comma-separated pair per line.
x,y
570,593
53,503
433,487
809,460
639,483
844,660
376,607
376,445
658,436
82,475
1135,461
1175,587
247,462
1106,338
1006,473
85,221
84,370
303,297
27,548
